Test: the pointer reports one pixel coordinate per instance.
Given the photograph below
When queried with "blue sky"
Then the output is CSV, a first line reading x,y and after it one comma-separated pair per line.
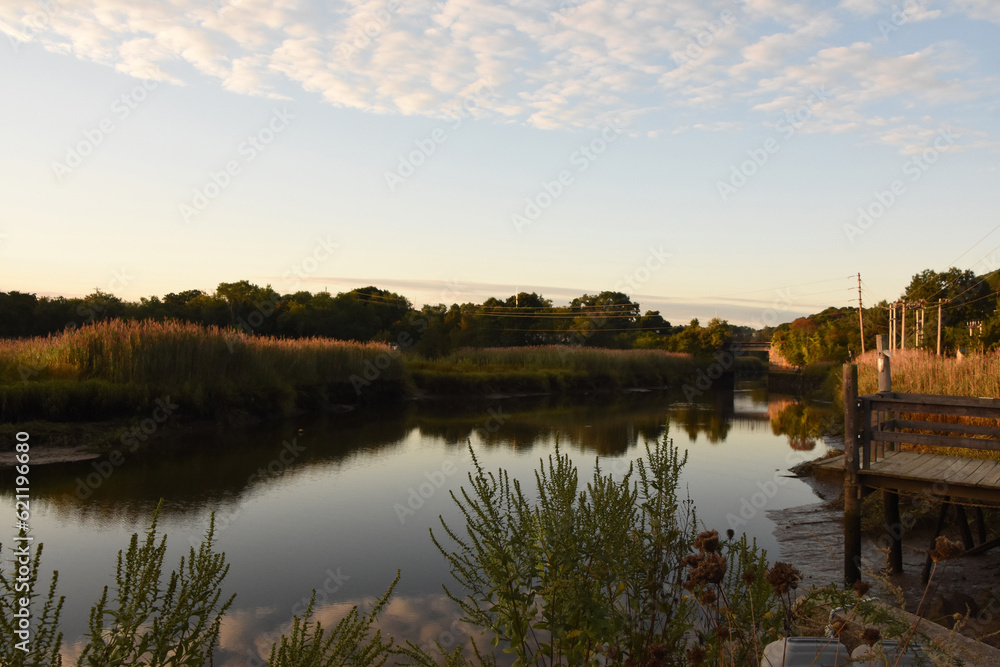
x,y
702,156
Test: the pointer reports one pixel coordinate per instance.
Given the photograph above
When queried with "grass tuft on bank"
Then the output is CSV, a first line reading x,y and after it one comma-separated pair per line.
x,y
118,367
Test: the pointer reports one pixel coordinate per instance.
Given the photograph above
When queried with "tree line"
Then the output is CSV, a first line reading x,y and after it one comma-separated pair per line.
x,y
608,319
970,320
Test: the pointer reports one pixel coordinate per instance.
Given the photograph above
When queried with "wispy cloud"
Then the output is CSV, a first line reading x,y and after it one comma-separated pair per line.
x,y
554,65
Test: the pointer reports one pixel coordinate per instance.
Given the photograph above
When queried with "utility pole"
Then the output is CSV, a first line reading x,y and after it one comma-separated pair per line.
x,y
902,337
939,328
919,315
892,326
861,315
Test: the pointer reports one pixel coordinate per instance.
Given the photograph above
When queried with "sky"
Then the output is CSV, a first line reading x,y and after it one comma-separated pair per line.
x,y
739,158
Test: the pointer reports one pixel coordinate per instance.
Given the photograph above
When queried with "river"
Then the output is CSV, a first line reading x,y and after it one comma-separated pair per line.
x,y
339,502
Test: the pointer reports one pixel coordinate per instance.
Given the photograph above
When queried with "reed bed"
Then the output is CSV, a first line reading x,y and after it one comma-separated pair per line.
x,y
211,368
919,372
549,368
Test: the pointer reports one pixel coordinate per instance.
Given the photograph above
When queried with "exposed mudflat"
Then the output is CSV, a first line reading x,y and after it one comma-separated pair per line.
x,y
811,538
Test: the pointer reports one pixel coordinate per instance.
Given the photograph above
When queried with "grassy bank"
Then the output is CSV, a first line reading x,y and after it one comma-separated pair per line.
x,y
548,369
118,369
122,368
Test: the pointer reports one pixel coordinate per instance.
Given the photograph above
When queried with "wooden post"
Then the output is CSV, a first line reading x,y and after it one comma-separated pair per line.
x,y
963,528
981,525
884,370
852,491
895,527
939,329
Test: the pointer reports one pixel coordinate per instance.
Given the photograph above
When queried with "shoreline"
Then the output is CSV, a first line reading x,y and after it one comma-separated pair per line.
x,y
811,537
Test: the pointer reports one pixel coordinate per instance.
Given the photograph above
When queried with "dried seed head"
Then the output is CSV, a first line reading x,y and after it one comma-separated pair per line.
x,y
783,577
696,655
730,533
870,636
708,597
945,549
749,575
711,570
707,541
861,588
722,632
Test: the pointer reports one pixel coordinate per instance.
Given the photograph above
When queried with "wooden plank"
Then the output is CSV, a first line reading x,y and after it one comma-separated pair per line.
x,y
971,429
992,479
929,468
916,486
935,409
964,471
938,400
901,462
905,463
982,472
941,469
937,440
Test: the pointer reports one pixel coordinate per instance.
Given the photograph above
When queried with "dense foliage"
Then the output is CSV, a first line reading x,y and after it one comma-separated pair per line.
x,y
607,319
970,320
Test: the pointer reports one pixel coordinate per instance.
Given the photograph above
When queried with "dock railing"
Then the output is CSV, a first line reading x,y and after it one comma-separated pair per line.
x,y
875,425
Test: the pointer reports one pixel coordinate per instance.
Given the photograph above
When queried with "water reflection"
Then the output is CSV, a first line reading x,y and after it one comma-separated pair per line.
x,y
220,467
303,497
804,424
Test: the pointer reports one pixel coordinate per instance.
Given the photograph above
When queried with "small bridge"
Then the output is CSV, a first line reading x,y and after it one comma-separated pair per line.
x,y
876,425
754,347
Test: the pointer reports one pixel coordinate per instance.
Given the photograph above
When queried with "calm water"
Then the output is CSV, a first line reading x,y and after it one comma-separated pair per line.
x,y
338,503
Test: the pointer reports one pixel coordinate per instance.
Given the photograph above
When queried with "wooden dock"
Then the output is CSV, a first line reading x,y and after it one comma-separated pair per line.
x,y
913,472
876,426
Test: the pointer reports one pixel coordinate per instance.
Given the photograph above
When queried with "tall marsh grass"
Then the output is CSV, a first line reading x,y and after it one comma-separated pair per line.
x,y
207,366
918,372
550,368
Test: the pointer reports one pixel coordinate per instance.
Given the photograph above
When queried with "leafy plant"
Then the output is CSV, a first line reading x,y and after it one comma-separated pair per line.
x,y
45,638
349,643
150,625
584,576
